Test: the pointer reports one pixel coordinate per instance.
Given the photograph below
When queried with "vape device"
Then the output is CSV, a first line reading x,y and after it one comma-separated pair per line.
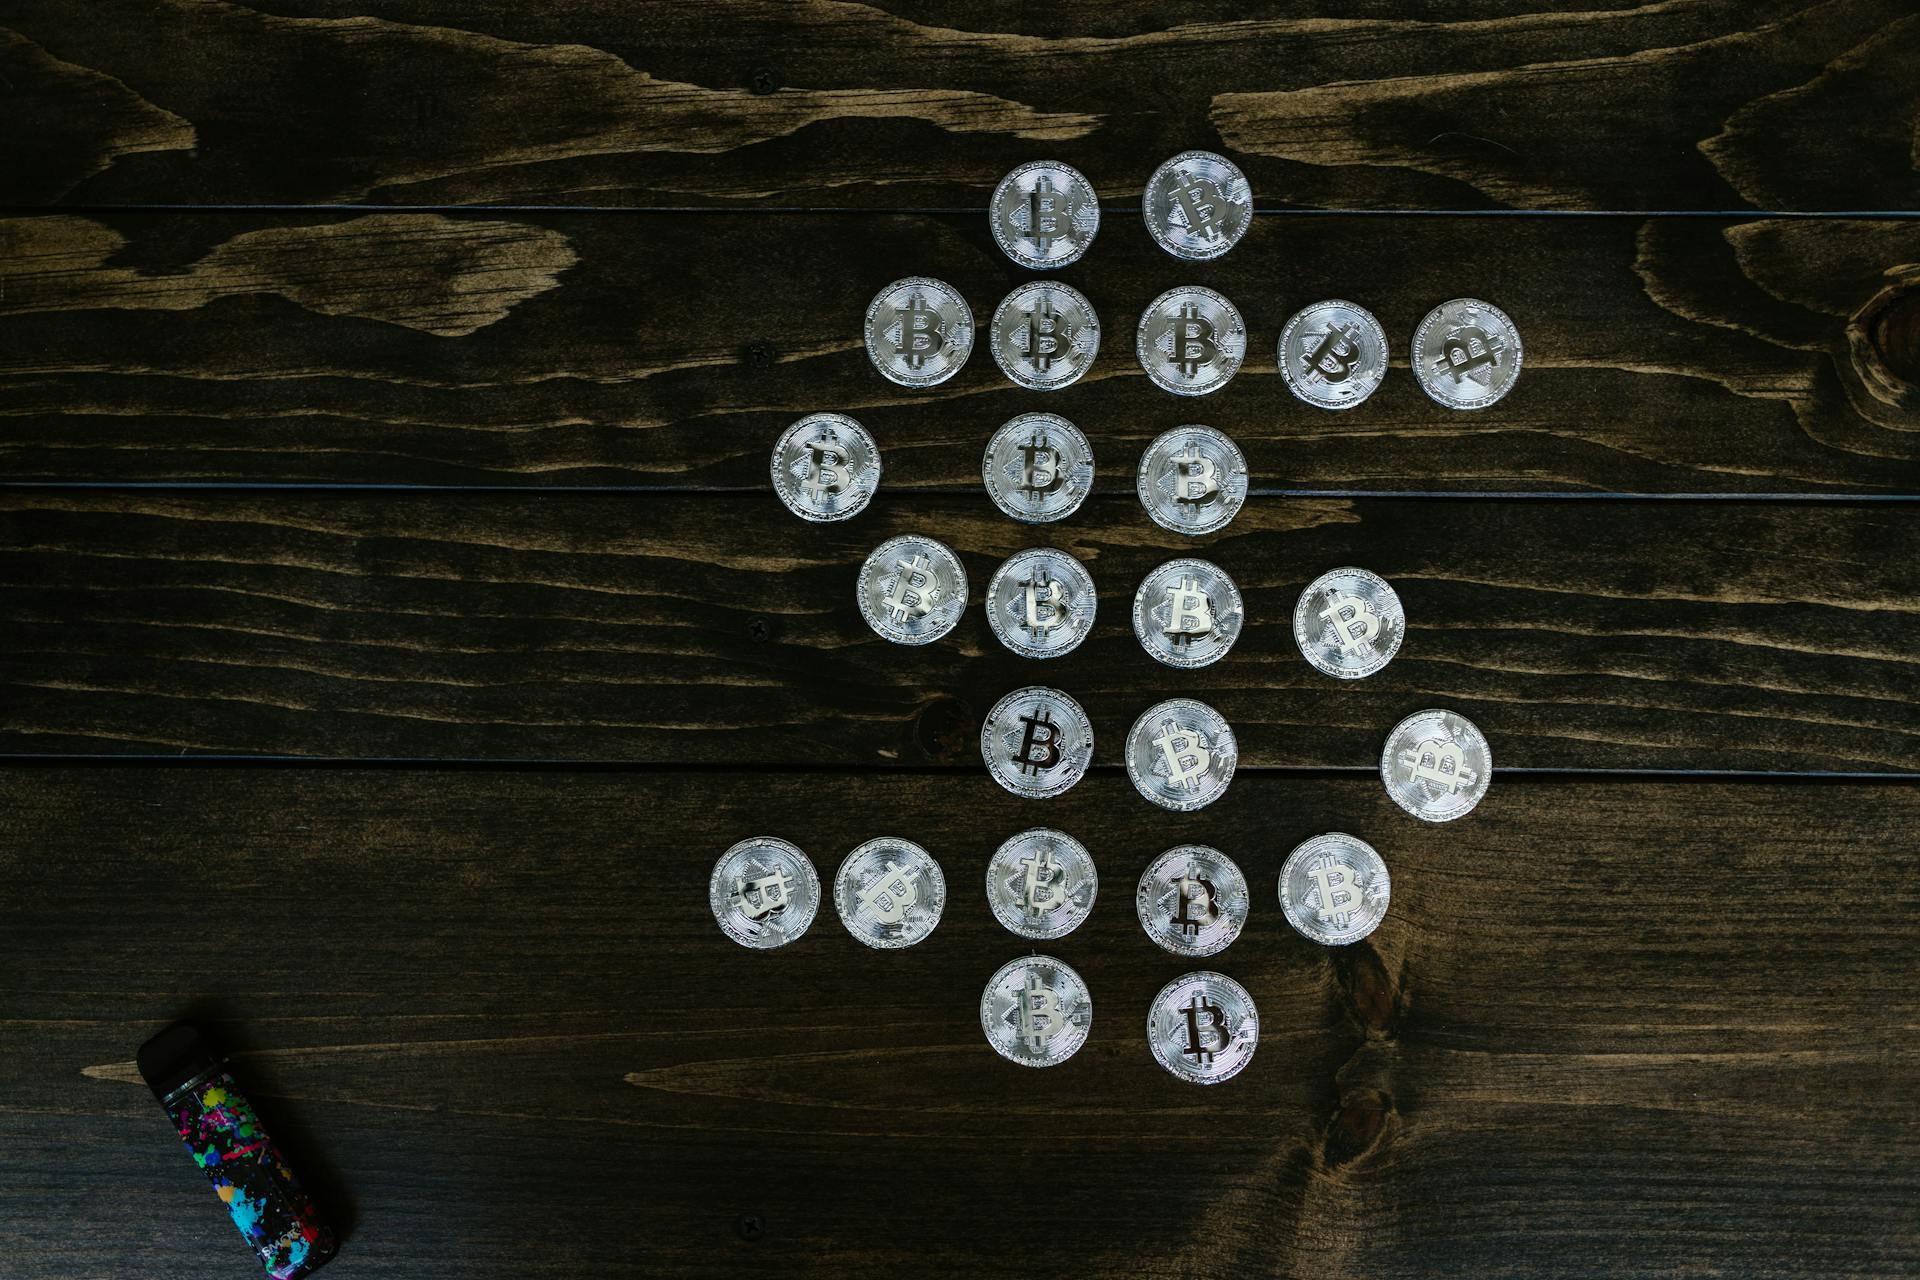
x,y
225,1138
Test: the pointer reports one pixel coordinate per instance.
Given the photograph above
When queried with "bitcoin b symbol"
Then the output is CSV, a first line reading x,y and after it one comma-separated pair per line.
x,y
828,474
1042,1013
1196,481
1189,612
1335,357
1047,595
1339,892
1046,338
765,895
1193,341
1199,200
1354,624
1040,745
1194,902
1465,350
1042,469
914,591
1198,1007
920,332
889,897
1438,761
1044,214
1187,758
1045,887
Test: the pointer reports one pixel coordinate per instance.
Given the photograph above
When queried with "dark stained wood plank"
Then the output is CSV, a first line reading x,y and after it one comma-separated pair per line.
x,y
680,629
1663,356
1659,1028
1724,104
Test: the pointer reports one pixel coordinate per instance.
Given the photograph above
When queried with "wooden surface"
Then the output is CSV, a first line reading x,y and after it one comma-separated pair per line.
x,y
396,623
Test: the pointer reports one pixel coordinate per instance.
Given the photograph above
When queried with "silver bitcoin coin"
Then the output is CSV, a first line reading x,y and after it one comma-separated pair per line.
x,y
1045,335
1333,354
763,892
1040,603
1037,742
1203,1028
912,590
1436,765
1191,341
1334,889
1044,214
1197,205
1466,354
1038,467
1181,754
1192,480
1187,613
890,893
826,467
1036,1011
1192,901
1348,623
919,331
1041,884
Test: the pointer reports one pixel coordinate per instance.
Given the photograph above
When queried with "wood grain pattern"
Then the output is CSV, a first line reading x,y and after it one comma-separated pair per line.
x,y
1598,1024
1663,356
697,628
1777,104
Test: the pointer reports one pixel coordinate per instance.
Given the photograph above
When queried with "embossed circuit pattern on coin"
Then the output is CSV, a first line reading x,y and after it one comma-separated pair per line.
x,y
1334,889
1191,340
890,893
1187,613
1466,354
1041,603
1041,884
1436,765
1192,480
1036,1011
1203,1027
912,590
919,331
1348,623
1333,354
764,892
1192,900
1181,754
1038,467
826,467
1197,205
1045,335
1044,214
1037,742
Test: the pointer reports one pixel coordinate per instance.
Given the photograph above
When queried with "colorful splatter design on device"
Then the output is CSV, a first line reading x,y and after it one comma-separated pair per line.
x,y
268,1204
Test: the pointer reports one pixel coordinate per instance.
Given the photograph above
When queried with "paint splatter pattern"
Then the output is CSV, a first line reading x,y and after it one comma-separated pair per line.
x,y
268,1204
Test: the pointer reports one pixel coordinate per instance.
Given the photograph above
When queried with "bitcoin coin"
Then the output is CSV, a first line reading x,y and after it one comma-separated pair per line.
x,y
1334,889
1348,623
912,590
1036,1011
1041,884
1202,1027
890,893
1045,335
1466,354
826,467
1436,765
919,331
1181,754
1044,214
1197,205
1191,341
1040,603
1192,900
1187,613
1192,480
763,893
1333,354
1037,742
1038,467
